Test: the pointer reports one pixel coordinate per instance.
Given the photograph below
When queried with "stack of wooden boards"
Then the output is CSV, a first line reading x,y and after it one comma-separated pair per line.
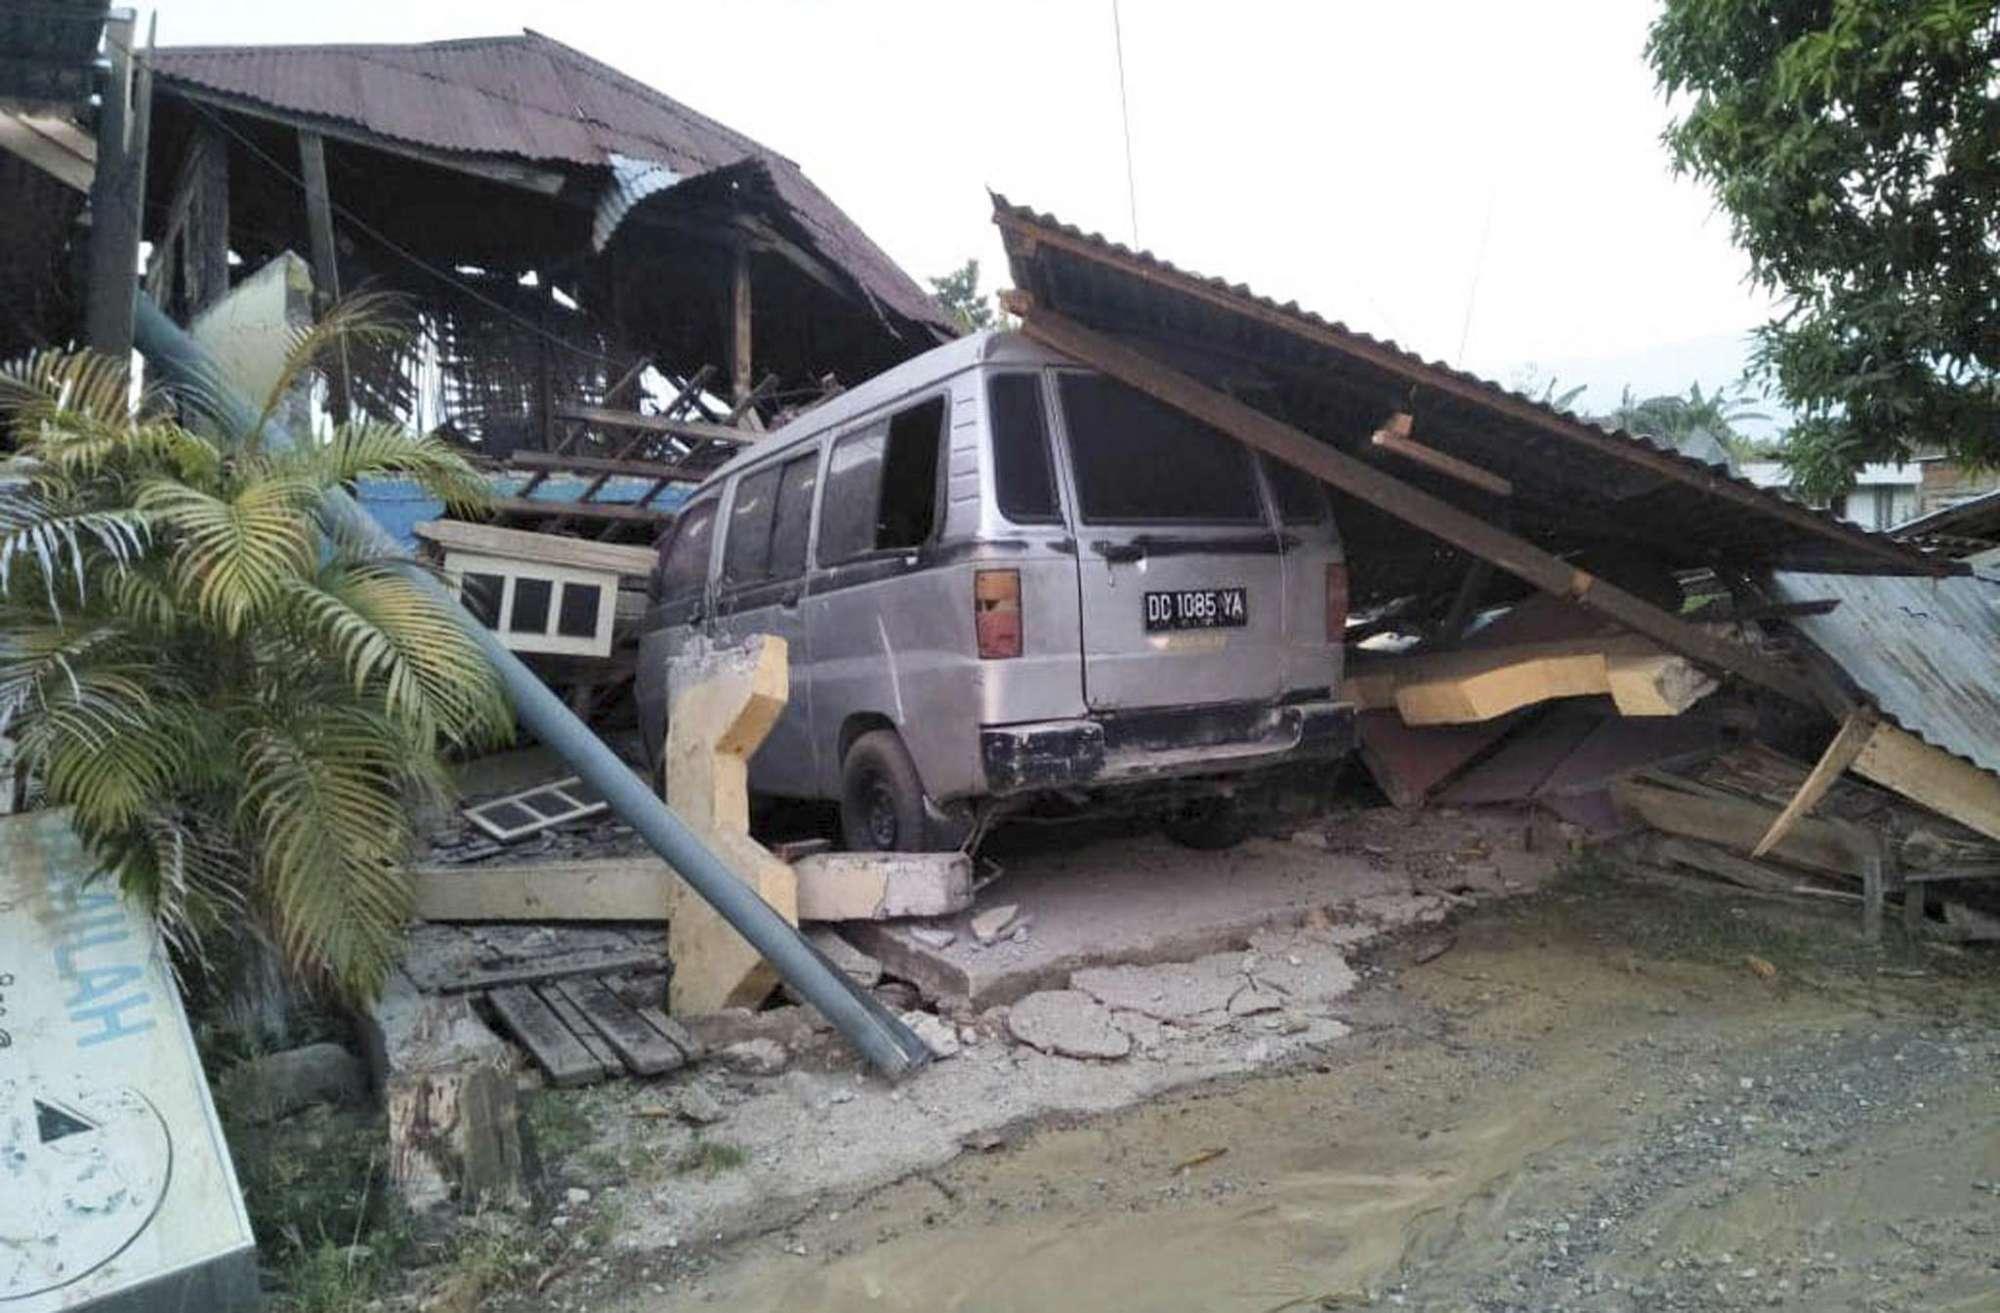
x,y
580,1030
1862,842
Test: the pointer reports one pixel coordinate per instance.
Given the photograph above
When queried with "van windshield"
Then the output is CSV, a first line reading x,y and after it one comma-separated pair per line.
x,y
1138,460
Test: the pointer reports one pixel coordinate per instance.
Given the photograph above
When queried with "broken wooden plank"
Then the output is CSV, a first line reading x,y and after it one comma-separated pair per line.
x,y
543,548
1521,765
577,510
1395,438
1473,684
1619,747
1433,515
690,429
1723,864
665,471
555,1049
572,1018
642,1048
1738,823
1899,760
603,889
1839,755
487,974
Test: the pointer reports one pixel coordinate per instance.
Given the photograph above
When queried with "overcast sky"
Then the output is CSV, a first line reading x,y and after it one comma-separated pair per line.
x,y
1482,182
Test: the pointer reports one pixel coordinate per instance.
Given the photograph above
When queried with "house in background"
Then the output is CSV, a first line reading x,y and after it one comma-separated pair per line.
x,y
1885,495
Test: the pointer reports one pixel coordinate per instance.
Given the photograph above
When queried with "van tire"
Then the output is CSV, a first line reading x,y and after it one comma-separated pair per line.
x,y
881,796
1208,824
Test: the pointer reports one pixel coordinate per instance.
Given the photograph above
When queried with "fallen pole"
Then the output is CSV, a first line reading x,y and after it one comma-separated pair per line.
x,y
871,1028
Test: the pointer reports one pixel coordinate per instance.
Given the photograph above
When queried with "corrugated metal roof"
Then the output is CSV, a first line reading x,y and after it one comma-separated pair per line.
x,y
1975,518
530,97
1585,482
1925,651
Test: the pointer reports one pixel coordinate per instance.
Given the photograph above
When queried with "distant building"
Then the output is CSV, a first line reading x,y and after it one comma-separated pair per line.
x,y
1885,495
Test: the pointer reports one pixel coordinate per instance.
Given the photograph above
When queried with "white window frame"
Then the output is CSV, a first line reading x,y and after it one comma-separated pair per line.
x,y
459,564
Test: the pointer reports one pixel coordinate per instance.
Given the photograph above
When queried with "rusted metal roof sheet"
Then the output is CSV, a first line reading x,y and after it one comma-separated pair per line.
x,y
1575,484
533,98
1925,651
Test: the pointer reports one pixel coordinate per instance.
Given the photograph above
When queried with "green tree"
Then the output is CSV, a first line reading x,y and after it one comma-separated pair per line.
x,y
1698,424
239,704
958,291
1855,145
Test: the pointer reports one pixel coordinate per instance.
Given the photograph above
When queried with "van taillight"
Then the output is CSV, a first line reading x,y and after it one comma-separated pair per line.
x,y
996,612
1336,603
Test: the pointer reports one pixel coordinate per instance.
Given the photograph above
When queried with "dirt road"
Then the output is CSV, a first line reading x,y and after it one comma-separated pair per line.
x,y
1590,1102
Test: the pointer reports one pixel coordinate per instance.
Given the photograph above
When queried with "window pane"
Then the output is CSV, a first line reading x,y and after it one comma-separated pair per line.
x,y
794,517
481,595
686,568
1300,497
1023,476
577,617
853,485
1139,460
531,606
910,477
746,552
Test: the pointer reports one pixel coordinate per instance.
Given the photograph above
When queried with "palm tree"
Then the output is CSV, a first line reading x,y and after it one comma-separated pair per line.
x,y
1699,424
239,705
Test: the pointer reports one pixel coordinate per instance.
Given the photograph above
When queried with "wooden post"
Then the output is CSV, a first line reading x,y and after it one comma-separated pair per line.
x,y
739,326
1872,880
206,262
1435,516
325,262
117,193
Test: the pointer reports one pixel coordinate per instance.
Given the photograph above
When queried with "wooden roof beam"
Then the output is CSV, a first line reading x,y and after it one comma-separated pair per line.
x,y
1484,396
1435,516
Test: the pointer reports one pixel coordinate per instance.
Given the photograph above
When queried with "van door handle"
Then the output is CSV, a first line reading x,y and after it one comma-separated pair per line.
x,y
1111,551
790,597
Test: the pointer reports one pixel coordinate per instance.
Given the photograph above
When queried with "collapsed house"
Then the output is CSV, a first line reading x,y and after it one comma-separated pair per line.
x,y
1617,568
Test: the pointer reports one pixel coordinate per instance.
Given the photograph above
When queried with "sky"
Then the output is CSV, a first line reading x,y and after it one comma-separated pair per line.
x,y
1483,183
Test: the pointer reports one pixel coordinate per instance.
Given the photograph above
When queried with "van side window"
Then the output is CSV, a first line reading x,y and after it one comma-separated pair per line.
x,y
1023,477
684,570
882,485
1138,460
1301,499
794,516
746,548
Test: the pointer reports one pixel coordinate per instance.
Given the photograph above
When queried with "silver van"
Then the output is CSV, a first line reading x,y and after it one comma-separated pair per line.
x,y
1008,582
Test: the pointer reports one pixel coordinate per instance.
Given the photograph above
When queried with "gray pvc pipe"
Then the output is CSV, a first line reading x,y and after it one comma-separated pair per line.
x,y
873,1029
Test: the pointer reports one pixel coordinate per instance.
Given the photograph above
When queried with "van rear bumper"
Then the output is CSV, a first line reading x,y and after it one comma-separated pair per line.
x,y
1161,743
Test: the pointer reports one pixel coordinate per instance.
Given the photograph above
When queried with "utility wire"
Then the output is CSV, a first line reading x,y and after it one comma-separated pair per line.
x,y
441,275
1125,112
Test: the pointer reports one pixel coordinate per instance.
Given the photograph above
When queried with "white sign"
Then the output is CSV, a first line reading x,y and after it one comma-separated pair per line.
x,y
116,1189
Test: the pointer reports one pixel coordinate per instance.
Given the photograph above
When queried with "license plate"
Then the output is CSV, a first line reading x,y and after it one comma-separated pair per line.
x,y
1198,608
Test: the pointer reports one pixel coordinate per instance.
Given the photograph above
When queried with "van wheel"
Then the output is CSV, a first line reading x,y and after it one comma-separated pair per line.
x,y
1208,824
881,798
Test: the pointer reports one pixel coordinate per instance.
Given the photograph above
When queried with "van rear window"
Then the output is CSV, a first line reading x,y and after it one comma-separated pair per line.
x,y
1024,478
1139,460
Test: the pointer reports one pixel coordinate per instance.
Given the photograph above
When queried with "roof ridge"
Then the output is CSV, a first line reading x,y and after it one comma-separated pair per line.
x,y
591,66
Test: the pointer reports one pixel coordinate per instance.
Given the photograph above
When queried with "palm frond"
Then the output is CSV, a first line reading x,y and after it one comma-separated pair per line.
x,y
364,448
321,799
364,317
386,630
66,387
235,555
58,539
